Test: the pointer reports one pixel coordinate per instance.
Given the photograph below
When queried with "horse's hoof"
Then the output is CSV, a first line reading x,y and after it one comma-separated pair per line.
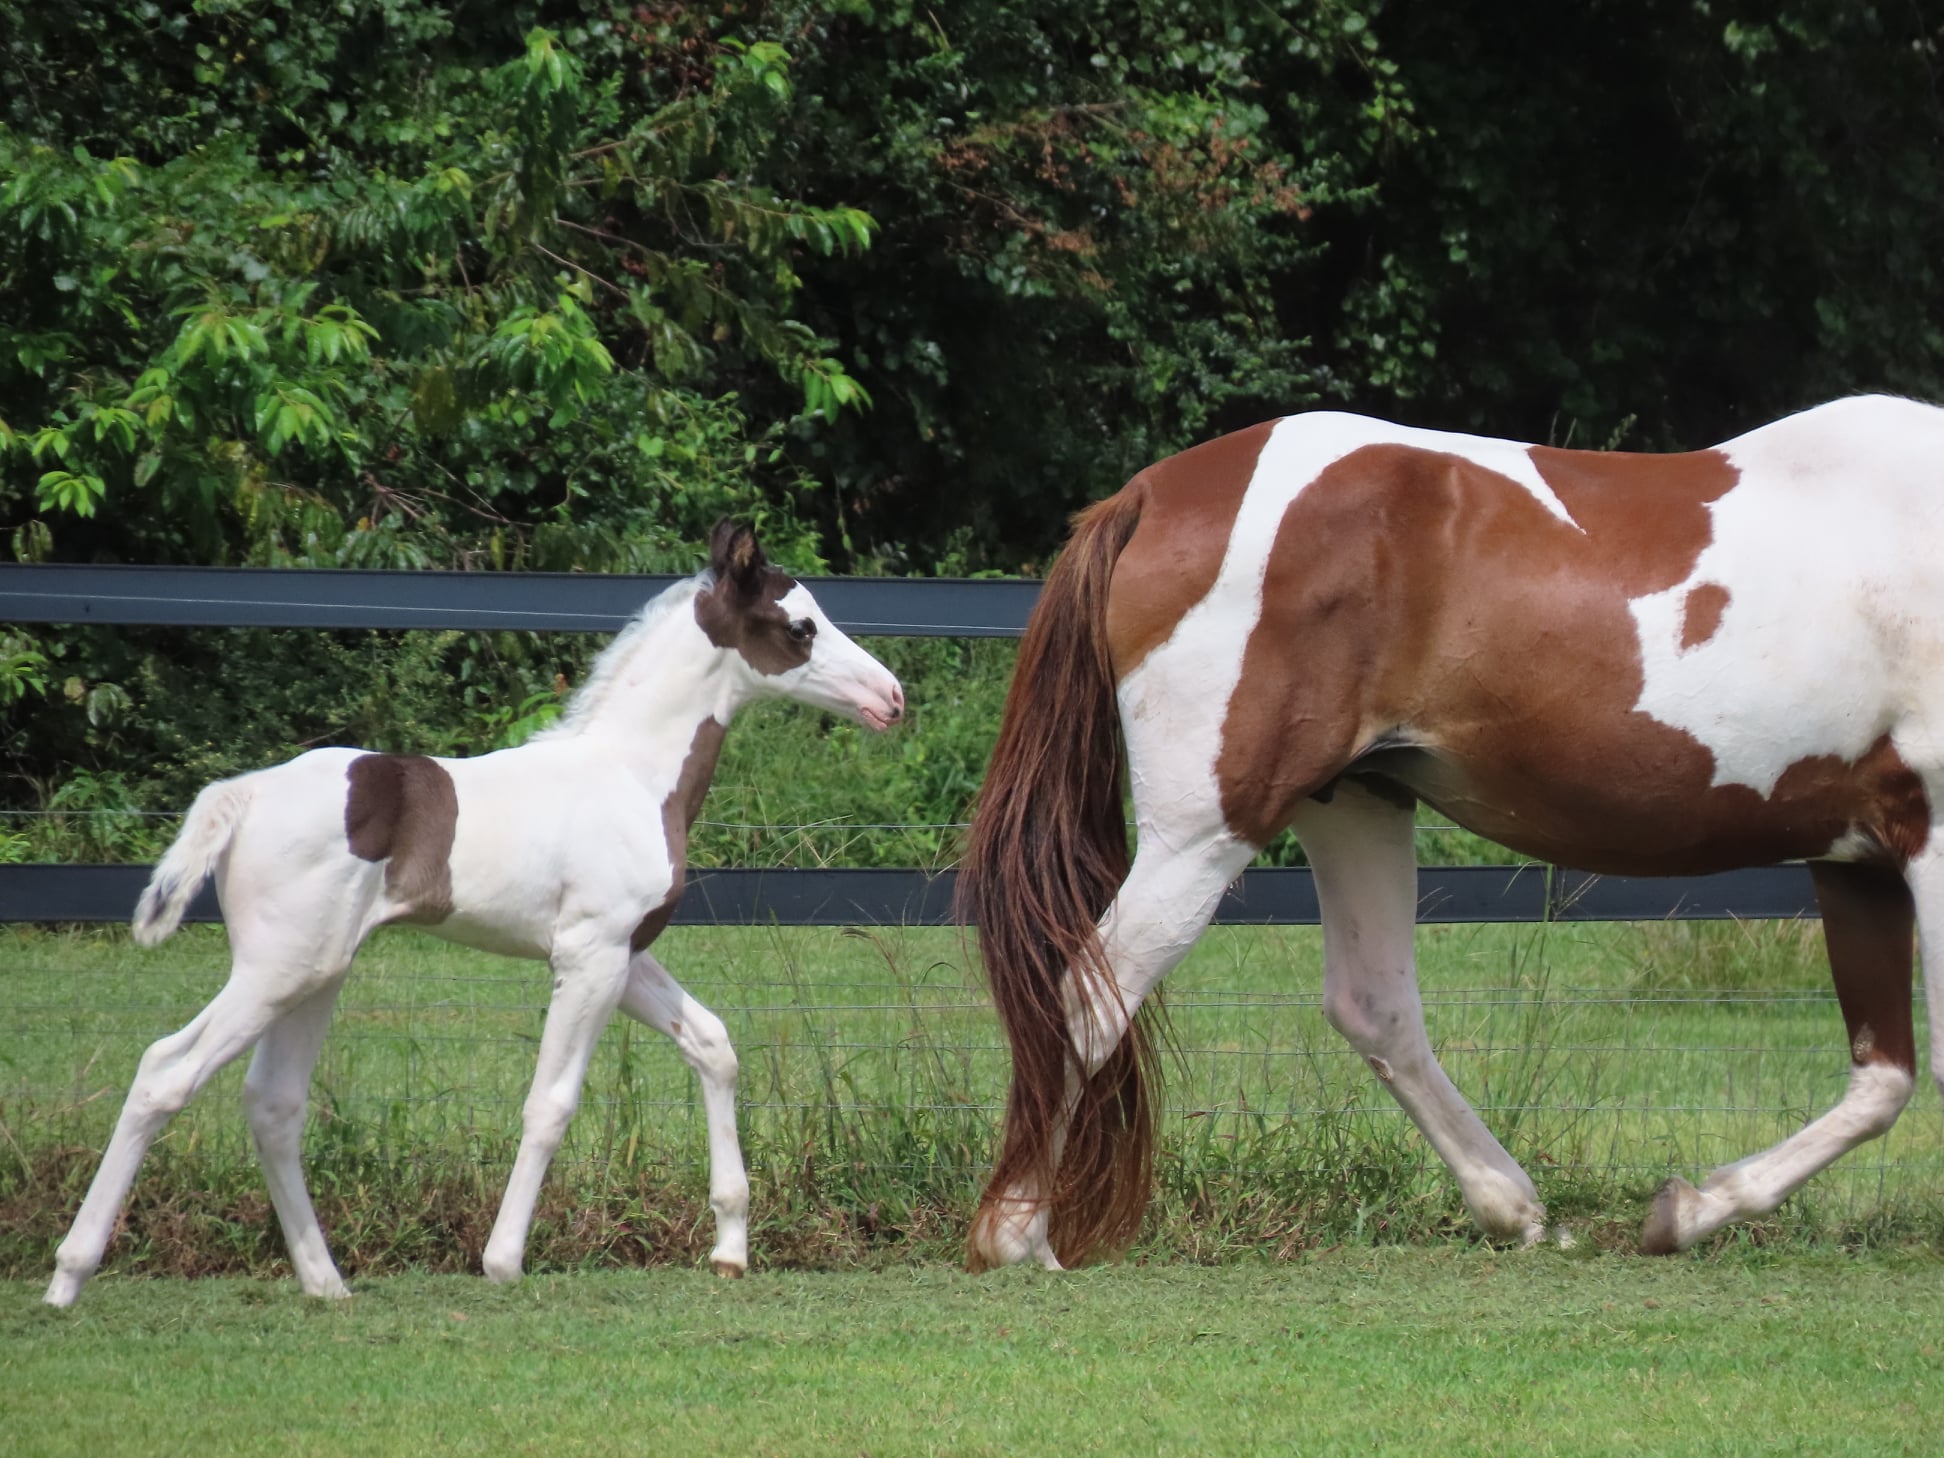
x,y
730,1270
64,1290
1661,1234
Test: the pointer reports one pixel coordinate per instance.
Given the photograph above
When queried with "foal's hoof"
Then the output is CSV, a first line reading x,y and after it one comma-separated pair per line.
x,y
729,1270
64,1290
1661,1234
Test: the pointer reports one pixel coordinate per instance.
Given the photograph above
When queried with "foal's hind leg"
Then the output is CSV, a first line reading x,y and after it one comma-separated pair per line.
x,y
171,1072
655,998
587,985
1365,861
1866,915
276,1094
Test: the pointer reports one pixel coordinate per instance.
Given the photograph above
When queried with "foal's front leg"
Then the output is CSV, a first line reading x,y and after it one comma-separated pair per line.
x,y
658,1000
587,985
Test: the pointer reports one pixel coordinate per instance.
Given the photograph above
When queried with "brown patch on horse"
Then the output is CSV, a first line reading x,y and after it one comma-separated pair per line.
x,y
739,609
1701,612
1429,619
679,810
1868,919
1188,505
401,809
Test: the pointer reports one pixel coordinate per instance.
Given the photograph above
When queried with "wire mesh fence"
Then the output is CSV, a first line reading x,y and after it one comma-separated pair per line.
x,y
1618,1054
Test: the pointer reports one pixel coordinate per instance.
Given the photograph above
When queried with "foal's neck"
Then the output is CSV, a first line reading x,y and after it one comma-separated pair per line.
x,y
666,704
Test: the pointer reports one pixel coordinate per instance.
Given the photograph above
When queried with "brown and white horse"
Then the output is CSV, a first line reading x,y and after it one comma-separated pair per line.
x,y
1631,664
568,849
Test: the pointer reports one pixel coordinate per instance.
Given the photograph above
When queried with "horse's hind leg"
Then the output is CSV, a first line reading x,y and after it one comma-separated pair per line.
x,y
655,998
276,1094
1361,849
1866,914
1162,907
171,1072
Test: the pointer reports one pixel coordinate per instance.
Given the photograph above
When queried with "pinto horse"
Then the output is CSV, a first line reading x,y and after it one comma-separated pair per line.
x,y
1629,664
568,849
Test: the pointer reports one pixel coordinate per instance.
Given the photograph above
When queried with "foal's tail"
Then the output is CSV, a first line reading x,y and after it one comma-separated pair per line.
x,y
205,834
1047,851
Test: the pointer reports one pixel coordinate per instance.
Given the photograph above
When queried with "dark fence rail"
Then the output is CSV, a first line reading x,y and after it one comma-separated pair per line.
x,y
912,898
262,597
917,607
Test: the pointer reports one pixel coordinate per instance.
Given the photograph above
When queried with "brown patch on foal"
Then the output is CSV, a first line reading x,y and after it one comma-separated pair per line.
x,y
401,809
1188,506
679,810
1429,619
1701,612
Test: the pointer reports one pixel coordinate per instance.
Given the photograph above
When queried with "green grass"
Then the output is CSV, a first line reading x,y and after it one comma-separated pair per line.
x,y
1388,1350
1605,1058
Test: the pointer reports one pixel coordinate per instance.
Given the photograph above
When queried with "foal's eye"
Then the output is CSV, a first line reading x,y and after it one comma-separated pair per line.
x,y
803,630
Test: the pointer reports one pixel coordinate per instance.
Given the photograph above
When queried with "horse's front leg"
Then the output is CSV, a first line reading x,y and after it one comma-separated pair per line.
x,y
588,979
1361,849
658,1000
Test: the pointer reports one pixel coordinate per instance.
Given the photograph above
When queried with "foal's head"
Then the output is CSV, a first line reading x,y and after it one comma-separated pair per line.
x,y
776,635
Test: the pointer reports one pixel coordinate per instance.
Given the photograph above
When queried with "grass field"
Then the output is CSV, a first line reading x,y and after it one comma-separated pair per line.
x,y
1605,1057
1383,1350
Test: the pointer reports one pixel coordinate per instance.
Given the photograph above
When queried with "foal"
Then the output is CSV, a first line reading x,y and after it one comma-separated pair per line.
x,y
1631,664
569,848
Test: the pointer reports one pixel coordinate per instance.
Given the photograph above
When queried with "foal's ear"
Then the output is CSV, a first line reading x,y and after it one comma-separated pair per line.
x,y
735,556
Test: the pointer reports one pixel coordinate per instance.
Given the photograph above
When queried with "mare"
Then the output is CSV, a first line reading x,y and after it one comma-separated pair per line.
x,y
568,849
1631,664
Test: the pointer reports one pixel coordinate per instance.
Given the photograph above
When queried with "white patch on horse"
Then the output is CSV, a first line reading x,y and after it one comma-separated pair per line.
x,y
1827,547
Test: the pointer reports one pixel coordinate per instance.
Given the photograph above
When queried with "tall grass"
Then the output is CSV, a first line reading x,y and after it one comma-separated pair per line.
x,y
1605,1058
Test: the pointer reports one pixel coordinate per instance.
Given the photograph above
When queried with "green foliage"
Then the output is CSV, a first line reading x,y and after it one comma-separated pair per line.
x,y
554,284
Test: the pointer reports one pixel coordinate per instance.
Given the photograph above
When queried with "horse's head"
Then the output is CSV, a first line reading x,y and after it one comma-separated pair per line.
x,y
781,640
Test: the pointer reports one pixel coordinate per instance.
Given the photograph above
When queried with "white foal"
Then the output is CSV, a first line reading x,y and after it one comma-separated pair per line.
x,y
569,849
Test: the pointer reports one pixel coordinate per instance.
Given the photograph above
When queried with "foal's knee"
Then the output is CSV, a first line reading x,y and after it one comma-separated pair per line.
x,y
705,1043
546,1117
273,1109
165,1081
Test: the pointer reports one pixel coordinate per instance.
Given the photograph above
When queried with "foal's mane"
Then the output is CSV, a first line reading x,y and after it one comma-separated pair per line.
x,y
589,697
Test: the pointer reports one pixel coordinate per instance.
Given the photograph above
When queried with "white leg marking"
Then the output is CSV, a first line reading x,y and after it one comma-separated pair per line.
x,y
1681,1214
171,1072
276,1097
587,985
1361,850
655,998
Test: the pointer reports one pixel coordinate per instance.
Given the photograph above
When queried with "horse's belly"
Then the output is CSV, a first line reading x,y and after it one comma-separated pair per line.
x,y
1629,819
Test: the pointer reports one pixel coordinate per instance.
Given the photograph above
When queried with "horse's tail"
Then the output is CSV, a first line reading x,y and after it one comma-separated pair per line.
x,y
205,835
1047,851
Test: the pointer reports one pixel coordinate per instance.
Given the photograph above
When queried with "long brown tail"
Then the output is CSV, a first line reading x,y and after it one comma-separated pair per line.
x,y
1047,851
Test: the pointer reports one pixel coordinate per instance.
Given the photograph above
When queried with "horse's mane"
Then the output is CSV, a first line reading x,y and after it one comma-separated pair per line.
x,y
589,697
